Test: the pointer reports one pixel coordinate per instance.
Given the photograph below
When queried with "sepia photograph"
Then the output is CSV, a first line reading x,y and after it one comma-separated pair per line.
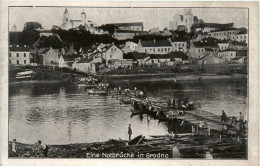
x,y
95,82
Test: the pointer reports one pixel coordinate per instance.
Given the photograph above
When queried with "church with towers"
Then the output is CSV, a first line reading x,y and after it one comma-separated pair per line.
x,y
68,23
186,20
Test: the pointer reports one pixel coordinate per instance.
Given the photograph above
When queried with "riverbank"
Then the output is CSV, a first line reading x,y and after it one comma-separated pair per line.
x,y
164,146
176,78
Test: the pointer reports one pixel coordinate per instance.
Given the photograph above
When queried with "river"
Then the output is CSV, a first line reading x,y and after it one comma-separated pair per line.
x,y
63,114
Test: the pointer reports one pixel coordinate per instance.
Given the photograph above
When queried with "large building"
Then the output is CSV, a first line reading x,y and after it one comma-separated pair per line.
x,y
132,26
154,46
19,55
69,23
185,20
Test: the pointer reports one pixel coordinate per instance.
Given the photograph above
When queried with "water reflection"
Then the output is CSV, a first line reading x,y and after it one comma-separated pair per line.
x,y
67,114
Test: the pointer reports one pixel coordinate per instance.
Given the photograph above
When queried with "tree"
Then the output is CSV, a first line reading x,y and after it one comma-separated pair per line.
x,y
30,34
32,25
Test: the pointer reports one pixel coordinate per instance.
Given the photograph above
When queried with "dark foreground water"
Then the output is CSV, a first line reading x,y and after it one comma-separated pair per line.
x,y
59,114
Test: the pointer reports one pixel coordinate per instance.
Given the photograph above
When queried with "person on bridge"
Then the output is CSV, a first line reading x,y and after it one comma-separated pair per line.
x,y
129,131
223,116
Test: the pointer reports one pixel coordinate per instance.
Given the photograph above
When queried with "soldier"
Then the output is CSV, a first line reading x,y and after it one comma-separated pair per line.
x,y
129,131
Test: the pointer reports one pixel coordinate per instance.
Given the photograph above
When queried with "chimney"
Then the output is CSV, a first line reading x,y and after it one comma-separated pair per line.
x,y
154,40
113,43
24,45
17,45
139,40
169,39
10,45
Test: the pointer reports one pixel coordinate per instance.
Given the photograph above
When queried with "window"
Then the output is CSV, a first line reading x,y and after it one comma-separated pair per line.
x,y
24,54
110,56
158,49
245,37
145,50
179,44
67,20
241,37
10,55
17,62
24,61
169,49
186,20
182,44
198,50
175,45
154,50
165,49
17,54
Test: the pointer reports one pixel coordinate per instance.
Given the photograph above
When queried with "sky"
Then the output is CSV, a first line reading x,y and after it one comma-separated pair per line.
x,y
151,17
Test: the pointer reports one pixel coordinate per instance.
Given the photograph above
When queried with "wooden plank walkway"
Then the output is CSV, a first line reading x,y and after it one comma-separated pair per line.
x,y
194,117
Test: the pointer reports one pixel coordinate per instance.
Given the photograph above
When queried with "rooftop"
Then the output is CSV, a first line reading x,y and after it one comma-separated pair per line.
x,y
19,49
207,42
85,60
134,55
238,57
127,24
71,57
156,43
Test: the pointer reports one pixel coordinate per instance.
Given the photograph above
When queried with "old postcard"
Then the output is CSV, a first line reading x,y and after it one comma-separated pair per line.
x,y
151,83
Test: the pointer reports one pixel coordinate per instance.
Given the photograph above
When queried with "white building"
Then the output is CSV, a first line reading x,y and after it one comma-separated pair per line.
x,y
187,19
227,55
224,34
154,46
19,55
179,46
69,23
242,37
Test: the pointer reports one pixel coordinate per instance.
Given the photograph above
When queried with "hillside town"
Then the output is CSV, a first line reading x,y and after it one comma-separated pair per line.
x,y
119,90
187,40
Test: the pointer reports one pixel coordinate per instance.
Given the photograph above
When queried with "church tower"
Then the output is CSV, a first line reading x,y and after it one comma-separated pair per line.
x,y
188,18
83,16
66,17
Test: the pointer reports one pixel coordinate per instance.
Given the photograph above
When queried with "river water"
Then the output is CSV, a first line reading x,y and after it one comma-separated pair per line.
x,y
59,114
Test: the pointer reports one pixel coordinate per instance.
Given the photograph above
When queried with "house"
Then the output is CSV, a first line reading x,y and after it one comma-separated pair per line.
x,y
242,37
137,59
129,47
85,65
111,52
179,57
237,45
209,27
209,59
121,34
157,60
224,34
19,55
132,26
179,46
51,57
240,59
227,55
68,60
223,44
203,47
154,46
69,51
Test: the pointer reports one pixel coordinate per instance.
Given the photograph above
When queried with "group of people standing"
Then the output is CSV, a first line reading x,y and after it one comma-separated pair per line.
x,y
238,122
40,145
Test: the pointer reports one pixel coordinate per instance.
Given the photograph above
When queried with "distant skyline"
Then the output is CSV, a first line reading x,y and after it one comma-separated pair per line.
x,y
151,17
